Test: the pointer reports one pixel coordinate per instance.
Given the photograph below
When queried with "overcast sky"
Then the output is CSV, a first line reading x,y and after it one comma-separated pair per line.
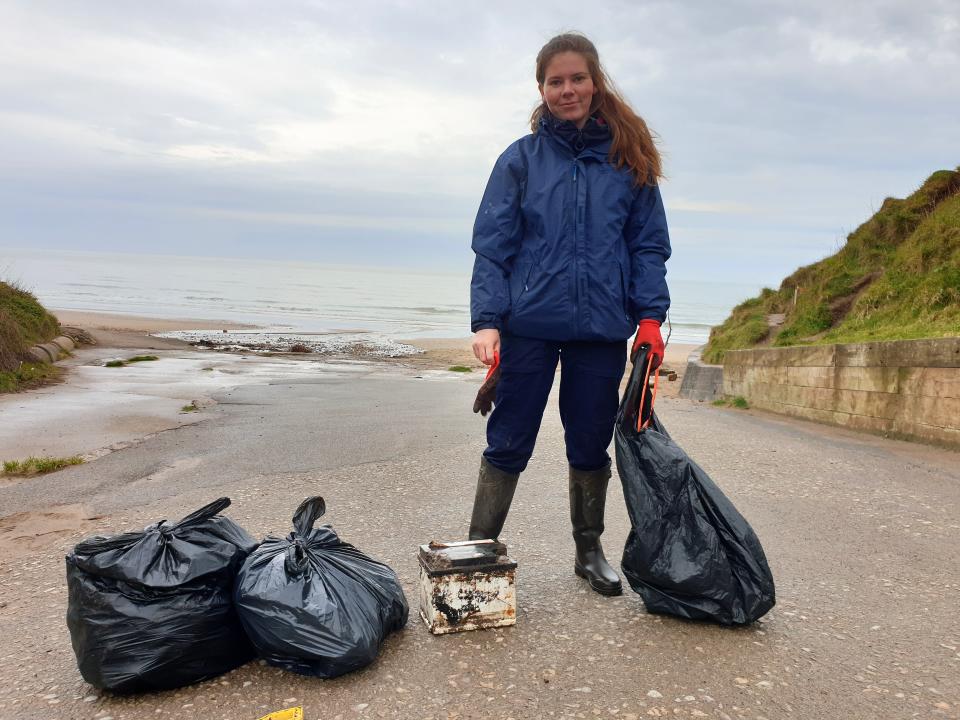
x,y
354,132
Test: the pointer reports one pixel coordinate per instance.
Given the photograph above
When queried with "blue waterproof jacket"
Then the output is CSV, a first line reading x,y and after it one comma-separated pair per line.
x,y
567,246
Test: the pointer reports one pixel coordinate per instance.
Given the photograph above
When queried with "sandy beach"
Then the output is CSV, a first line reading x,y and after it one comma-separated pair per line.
x,y
116,330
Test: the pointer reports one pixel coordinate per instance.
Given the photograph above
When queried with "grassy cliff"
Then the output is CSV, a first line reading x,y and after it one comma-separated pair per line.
x,y
23,322
897,277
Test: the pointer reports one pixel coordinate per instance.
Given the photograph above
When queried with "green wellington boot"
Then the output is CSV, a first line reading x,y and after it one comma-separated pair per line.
x,y
495,489
588,496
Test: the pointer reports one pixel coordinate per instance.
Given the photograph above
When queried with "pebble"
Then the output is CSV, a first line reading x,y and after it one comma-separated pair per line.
x,y
290,700
741,681
90,698
654,694
247,683
361,707
582,689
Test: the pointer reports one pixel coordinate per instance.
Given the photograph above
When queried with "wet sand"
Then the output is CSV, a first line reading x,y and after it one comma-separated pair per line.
x,y
98,410
116,330
132,331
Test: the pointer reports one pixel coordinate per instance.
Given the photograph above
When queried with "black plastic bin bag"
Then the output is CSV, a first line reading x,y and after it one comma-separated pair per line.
x,y
153,610
314,604
689,552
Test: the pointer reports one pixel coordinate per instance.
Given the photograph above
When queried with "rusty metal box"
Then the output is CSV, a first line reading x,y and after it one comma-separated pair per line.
x,y
467,586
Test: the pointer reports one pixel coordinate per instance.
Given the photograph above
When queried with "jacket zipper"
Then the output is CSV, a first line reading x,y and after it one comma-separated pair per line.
x,y
576,249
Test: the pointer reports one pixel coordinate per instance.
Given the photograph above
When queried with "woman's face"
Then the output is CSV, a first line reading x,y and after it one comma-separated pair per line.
x,y
568,88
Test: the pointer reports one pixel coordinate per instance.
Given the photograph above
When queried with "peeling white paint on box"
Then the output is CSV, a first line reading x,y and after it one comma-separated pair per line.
x,y
467,586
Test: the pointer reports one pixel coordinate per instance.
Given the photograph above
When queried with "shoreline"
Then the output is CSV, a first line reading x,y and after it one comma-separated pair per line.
x,y
122,331
97,410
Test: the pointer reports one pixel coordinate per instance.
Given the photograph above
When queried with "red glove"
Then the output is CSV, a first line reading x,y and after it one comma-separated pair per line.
x,y
488,392
648,333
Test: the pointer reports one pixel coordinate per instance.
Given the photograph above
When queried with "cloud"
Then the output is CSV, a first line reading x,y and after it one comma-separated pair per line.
x,y
834,50
781,123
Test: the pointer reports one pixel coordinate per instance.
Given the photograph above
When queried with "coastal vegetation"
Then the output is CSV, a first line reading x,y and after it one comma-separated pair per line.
x,y
38,465
134,359
897,277
459,368
24,322
738,402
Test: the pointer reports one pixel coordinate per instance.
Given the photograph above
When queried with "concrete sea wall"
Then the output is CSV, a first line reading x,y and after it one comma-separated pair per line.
x,y
701,382
904,388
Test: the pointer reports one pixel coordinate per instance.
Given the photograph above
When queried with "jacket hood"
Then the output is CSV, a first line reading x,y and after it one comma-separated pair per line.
x,y
594,138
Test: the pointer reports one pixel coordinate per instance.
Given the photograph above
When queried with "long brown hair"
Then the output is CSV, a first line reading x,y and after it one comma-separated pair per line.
x,y
633,144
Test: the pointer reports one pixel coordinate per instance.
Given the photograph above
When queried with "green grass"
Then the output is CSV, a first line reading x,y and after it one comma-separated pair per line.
x,y
29,375
192,407
38,465
459,368
746,326
23,322
897,277
134,359
738,402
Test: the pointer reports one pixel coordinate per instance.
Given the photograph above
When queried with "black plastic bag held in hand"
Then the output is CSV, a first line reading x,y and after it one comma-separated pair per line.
x,y
689,552
315,605
153,610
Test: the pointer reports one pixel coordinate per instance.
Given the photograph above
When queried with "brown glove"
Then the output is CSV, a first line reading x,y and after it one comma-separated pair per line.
x,y
488,391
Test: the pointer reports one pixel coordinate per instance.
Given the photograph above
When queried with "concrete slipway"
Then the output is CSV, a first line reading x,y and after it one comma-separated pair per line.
x,y
861,533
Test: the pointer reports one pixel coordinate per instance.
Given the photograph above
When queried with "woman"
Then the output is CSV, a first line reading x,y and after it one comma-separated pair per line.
x,y
571,243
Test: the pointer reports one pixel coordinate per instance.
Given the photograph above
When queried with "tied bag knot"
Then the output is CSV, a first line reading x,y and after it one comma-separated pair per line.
x,y
314,604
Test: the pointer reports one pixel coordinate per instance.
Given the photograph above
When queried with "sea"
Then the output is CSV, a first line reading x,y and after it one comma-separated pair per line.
x,y
327,306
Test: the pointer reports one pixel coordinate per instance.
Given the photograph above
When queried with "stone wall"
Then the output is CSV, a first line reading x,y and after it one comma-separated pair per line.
x,y
905,388
701,381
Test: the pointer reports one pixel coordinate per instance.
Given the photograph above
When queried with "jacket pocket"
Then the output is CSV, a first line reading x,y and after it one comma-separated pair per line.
x,y
624,290
526,276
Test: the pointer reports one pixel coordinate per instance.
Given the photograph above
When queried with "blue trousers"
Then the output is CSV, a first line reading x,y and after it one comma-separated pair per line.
x,y
590,374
